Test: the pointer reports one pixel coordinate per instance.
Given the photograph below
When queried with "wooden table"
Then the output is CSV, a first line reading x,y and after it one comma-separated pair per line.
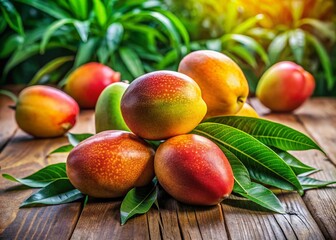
x,y
312,216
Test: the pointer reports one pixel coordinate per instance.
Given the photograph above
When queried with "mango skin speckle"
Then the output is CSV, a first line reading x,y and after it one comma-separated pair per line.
x,y
110,163
162,104
193,170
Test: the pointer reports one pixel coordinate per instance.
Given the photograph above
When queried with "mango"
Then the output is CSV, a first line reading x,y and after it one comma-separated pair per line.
x,y
222,82
193,170
44,111
110,163
247,111
162,104
108,113
86,83
285,86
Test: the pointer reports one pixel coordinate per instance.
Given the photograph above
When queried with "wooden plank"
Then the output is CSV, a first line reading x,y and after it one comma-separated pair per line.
x,y
100,219
21,157
8,125
317,119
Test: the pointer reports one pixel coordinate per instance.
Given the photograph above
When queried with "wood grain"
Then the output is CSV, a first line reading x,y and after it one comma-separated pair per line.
x,y
21,157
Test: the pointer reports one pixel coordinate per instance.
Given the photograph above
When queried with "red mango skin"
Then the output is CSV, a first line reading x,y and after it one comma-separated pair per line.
x,y
110,163
44,111
162,104
285,86
193,170
87,82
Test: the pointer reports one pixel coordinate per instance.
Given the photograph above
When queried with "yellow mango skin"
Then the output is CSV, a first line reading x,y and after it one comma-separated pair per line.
x,y
222,82
44,111
247,111
162,104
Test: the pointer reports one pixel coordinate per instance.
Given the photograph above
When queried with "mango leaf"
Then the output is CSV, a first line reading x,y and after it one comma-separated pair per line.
x,y
114,35
297,166
75,139
247,24
311,183
138,201
42,177
263,164
57,192
62,149
50,67
250,190
268,132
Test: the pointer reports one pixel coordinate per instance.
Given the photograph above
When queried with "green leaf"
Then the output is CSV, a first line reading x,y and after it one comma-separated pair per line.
x,y
263,164
10,45
132,61
50,67
49,7
326,29
57,192
11,16
85,52
100,12
297,43
114,35
247,24
277,46
75,139
311,183
297,166
268,132
324,59
138,201
248,42
62,149
43,177
244,54
81,28
262,196
80,8
252,191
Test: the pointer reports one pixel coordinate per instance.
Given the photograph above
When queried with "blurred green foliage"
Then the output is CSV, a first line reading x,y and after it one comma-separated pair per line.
x,y
44,40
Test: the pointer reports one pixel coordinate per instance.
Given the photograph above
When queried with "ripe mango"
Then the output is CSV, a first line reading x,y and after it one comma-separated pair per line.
x,y
110,163
44,111
285,86
86,83
108,113
162,104
222,82
193,170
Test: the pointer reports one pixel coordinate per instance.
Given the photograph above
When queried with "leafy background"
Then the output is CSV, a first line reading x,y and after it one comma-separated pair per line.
x,y
42,41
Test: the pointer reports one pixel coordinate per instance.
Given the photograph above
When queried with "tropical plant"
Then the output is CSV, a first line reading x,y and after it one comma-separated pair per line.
x,y
131,36
300,31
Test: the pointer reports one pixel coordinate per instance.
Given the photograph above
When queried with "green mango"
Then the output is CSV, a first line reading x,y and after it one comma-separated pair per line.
x,y
107,113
